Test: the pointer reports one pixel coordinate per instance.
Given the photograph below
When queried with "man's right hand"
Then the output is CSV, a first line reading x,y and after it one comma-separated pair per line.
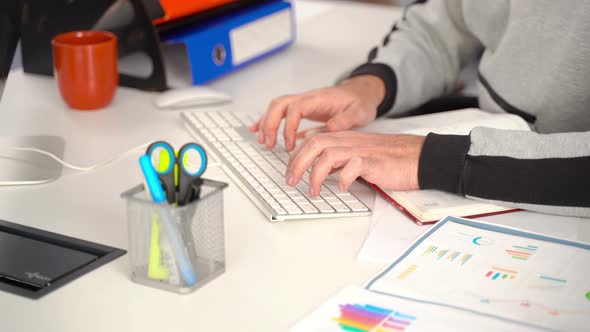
x,y
351,104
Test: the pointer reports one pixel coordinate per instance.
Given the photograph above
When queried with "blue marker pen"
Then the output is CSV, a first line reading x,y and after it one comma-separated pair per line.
x,y
159,196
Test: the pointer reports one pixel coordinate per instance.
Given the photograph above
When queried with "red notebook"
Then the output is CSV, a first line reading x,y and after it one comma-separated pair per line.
x,y
426,207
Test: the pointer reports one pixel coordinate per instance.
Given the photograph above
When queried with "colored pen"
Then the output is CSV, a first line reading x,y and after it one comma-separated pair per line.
x,y
159,197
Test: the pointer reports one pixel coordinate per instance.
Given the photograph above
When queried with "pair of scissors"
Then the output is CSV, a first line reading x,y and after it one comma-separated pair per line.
x,y
180,174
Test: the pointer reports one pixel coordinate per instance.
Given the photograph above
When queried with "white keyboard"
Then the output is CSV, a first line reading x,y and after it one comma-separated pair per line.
x,y
259,172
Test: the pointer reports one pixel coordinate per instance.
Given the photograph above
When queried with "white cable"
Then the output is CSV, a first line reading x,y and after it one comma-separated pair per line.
x,y
85,168
79,168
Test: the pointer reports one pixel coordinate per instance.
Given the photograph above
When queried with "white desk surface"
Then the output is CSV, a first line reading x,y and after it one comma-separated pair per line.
x,y
276,273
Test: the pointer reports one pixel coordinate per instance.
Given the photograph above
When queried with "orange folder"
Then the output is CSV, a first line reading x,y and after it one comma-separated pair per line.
x,y
175,9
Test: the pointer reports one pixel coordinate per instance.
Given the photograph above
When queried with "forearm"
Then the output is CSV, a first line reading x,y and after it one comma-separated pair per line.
x,y
545,173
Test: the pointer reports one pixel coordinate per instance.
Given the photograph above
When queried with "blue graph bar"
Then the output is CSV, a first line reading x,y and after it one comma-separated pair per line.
x,y
533,248
404,316
552,279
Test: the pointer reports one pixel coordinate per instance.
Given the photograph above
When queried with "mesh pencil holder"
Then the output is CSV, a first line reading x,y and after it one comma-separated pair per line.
x,y
176,248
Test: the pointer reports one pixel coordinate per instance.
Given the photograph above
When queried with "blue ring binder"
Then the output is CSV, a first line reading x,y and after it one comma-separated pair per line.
x,y
222,45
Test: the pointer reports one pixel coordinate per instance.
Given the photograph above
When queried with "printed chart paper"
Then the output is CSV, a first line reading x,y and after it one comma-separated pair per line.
x,y
496,271
359,310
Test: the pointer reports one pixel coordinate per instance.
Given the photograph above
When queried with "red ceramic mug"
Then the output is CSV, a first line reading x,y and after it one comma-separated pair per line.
x,y
85,65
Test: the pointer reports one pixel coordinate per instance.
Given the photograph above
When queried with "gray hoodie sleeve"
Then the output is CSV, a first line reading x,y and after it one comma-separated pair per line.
x,y
548,173
422,55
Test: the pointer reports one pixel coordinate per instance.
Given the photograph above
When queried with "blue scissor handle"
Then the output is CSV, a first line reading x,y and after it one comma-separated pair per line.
x,y
187,178
166,175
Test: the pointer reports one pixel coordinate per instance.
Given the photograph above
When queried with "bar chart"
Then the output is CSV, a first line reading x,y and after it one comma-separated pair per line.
x,y
366,317
448,255
522,252
498,273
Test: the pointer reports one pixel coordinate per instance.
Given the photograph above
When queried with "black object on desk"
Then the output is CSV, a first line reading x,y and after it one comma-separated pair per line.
x,y
34,262
130,20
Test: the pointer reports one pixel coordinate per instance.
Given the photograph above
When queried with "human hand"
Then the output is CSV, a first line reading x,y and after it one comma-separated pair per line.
x,y
390,161
351,104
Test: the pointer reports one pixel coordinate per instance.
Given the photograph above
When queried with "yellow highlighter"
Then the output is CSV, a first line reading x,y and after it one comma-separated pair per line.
x,y
157,267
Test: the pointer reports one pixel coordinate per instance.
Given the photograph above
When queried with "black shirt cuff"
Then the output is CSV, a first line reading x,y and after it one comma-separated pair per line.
x,y
387,74
442,162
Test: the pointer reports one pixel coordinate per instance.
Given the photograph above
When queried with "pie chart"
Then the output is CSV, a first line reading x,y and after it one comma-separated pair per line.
x,y
482,241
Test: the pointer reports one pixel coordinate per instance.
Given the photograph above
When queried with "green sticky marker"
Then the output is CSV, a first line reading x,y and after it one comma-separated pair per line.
x,y
588,295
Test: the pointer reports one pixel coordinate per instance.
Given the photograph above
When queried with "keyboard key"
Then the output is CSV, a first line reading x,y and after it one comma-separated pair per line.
x,y
327,195
308,208
280,212
250,179
357,206
323,207
231,119
197,123
218,120
339,207
284,156
220,135
289,204
275,205
300,200
343,195
348,198
332,200
290,190
281,168
282,198
294,210
203,120
208,135
233,134
314,199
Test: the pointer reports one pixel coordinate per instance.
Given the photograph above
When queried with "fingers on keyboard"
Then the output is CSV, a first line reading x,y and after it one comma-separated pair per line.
x,y
262,170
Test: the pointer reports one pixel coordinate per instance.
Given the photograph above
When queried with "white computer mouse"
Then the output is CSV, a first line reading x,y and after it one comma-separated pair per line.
x,y
196,96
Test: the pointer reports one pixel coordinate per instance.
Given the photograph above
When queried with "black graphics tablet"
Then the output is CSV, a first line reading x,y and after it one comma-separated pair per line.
x,y
37,264
34,262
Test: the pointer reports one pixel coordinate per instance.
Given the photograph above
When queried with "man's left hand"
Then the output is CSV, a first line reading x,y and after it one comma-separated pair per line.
x,y
390,161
